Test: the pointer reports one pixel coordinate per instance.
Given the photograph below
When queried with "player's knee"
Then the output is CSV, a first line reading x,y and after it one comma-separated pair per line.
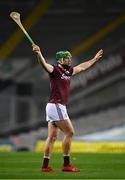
x,y
53,138
70,133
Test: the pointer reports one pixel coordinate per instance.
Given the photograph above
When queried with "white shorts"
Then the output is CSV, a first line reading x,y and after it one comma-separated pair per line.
x,y
56,112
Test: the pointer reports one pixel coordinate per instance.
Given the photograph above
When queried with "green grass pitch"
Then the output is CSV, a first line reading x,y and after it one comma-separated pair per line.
x,y
26,165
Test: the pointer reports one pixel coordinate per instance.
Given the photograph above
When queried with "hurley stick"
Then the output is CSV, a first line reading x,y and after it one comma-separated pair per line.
x,y
16,17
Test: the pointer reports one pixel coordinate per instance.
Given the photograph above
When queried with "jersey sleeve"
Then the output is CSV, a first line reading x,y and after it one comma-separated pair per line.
x,y
71,71
54,71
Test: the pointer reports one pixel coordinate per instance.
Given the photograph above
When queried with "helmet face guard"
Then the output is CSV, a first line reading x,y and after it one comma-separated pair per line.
x,y
62,54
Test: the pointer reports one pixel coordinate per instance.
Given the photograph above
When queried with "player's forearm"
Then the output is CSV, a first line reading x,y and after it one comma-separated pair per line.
x,y
87,64
92,61
45,65
41,59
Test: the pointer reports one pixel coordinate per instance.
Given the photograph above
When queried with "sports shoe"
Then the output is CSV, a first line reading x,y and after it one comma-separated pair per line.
x,y
48,169
70,168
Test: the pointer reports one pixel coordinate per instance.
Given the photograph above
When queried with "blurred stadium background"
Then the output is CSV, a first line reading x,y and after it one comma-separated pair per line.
x,y
97,103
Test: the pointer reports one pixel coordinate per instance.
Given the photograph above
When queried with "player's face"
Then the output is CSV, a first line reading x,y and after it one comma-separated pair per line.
x,y
67,60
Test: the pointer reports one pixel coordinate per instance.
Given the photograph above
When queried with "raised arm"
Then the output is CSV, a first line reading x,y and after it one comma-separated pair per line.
x,y
41,60
87,64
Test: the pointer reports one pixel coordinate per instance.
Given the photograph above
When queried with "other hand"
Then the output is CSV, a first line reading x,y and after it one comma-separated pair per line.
x,y
99,54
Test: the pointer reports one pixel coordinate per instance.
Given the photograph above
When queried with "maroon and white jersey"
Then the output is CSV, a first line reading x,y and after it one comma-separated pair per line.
x,y
60,85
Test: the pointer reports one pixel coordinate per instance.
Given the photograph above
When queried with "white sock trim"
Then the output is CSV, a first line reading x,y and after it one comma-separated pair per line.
x,y
46,157
66,155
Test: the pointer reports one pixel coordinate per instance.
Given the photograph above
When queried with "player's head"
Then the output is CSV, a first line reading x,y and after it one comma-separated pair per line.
x,y
64,58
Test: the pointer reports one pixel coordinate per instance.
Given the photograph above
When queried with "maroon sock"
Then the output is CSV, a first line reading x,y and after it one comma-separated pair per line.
x,y
66,160
45,162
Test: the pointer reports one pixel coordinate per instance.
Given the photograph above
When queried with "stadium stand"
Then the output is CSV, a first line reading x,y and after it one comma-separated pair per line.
x,y
97,93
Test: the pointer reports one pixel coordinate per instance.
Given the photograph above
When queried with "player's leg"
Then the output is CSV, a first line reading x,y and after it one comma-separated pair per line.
x,y
68,130
52,135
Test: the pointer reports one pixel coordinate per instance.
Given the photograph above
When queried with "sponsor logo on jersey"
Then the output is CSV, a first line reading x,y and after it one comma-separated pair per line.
x,y
65,77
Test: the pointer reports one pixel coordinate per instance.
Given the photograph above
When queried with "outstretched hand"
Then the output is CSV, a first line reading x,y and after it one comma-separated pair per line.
x,y
98,55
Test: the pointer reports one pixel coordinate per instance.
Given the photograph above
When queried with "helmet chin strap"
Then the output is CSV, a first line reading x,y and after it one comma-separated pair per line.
x,y
65,66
